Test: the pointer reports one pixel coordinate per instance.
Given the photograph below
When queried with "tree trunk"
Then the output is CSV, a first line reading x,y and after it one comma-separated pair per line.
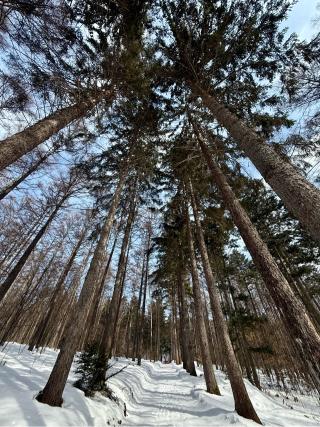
x,y
52,392
5,286
299,196
110,325
38,335
20,242
211,383
209,332
95,304
15,146
7,190
117,322
143,309
186,346
158,344
136,323
291,308
242,401
298,288
17,312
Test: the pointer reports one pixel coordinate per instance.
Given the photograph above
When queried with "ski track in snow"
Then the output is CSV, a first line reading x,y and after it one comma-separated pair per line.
x,y
159,394
154,394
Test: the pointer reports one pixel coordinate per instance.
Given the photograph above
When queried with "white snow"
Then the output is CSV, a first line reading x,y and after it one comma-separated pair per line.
x,y
154,394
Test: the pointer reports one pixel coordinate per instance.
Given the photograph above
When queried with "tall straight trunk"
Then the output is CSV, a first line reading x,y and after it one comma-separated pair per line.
x,y
127,334
173,328
185,335
5,286
117,322
143,309
52,392
298,195
211,383
21,143
110,325
136,324
94,309
38,335
141,326
10,187
158,351
212,348
242,401
71,300
291,308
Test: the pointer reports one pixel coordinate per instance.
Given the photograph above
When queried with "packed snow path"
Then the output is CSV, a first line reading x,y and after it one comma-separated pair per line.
x,y
159,394
163,395
154,394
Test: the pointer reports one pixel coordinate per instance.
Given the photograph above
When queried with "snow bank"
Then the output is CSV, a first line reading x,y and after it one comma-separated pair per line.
x,y
154,394
23,374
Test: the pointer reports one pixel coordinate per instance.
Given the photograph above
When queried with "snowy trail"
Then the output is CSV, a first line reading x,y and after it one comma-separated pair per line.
x,y
154,394
161,398
165,395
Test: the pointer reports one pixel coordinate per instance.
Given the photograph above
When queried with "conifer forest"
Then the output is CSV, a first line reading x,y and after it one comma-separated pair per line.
x,y
159,213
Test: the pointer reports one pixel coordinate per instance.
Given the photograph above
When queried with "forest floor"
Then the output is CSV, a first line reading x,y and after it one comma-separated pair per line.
x,y
154,394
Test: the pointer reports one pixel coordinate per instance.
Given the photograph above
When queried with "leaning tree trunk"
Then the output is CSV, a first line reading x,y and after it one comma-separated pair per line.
x,y
291,308
6,285
94,309
10,187
242,401
15,146
106,343
211,383
19,306
298,195
52,392
298,288
115,335
45,322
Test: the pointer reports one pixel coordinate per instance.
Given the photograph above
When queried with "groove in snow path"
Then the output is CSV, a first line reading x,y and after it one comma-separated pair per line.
x,y
159,394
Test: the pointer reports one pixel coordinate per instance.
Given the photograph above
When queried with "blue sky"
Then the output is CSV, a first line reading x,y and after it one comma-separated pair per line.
x,y
301,21
301,16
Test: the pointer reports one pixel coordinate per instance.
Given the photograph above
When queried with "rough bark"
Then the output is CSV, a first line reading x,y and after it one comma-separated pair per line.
x,y
291,308
52,392
299,196
242,401
211,383
15,146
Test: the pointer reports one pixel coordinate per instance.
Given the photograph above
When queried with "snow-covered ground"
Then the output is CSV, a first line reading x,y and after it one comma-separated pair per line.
x,y
154,394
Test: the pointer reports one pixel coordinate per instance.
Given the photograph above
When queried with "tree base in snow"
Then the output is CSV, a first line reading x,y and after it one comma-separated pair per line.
x,y
39,399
